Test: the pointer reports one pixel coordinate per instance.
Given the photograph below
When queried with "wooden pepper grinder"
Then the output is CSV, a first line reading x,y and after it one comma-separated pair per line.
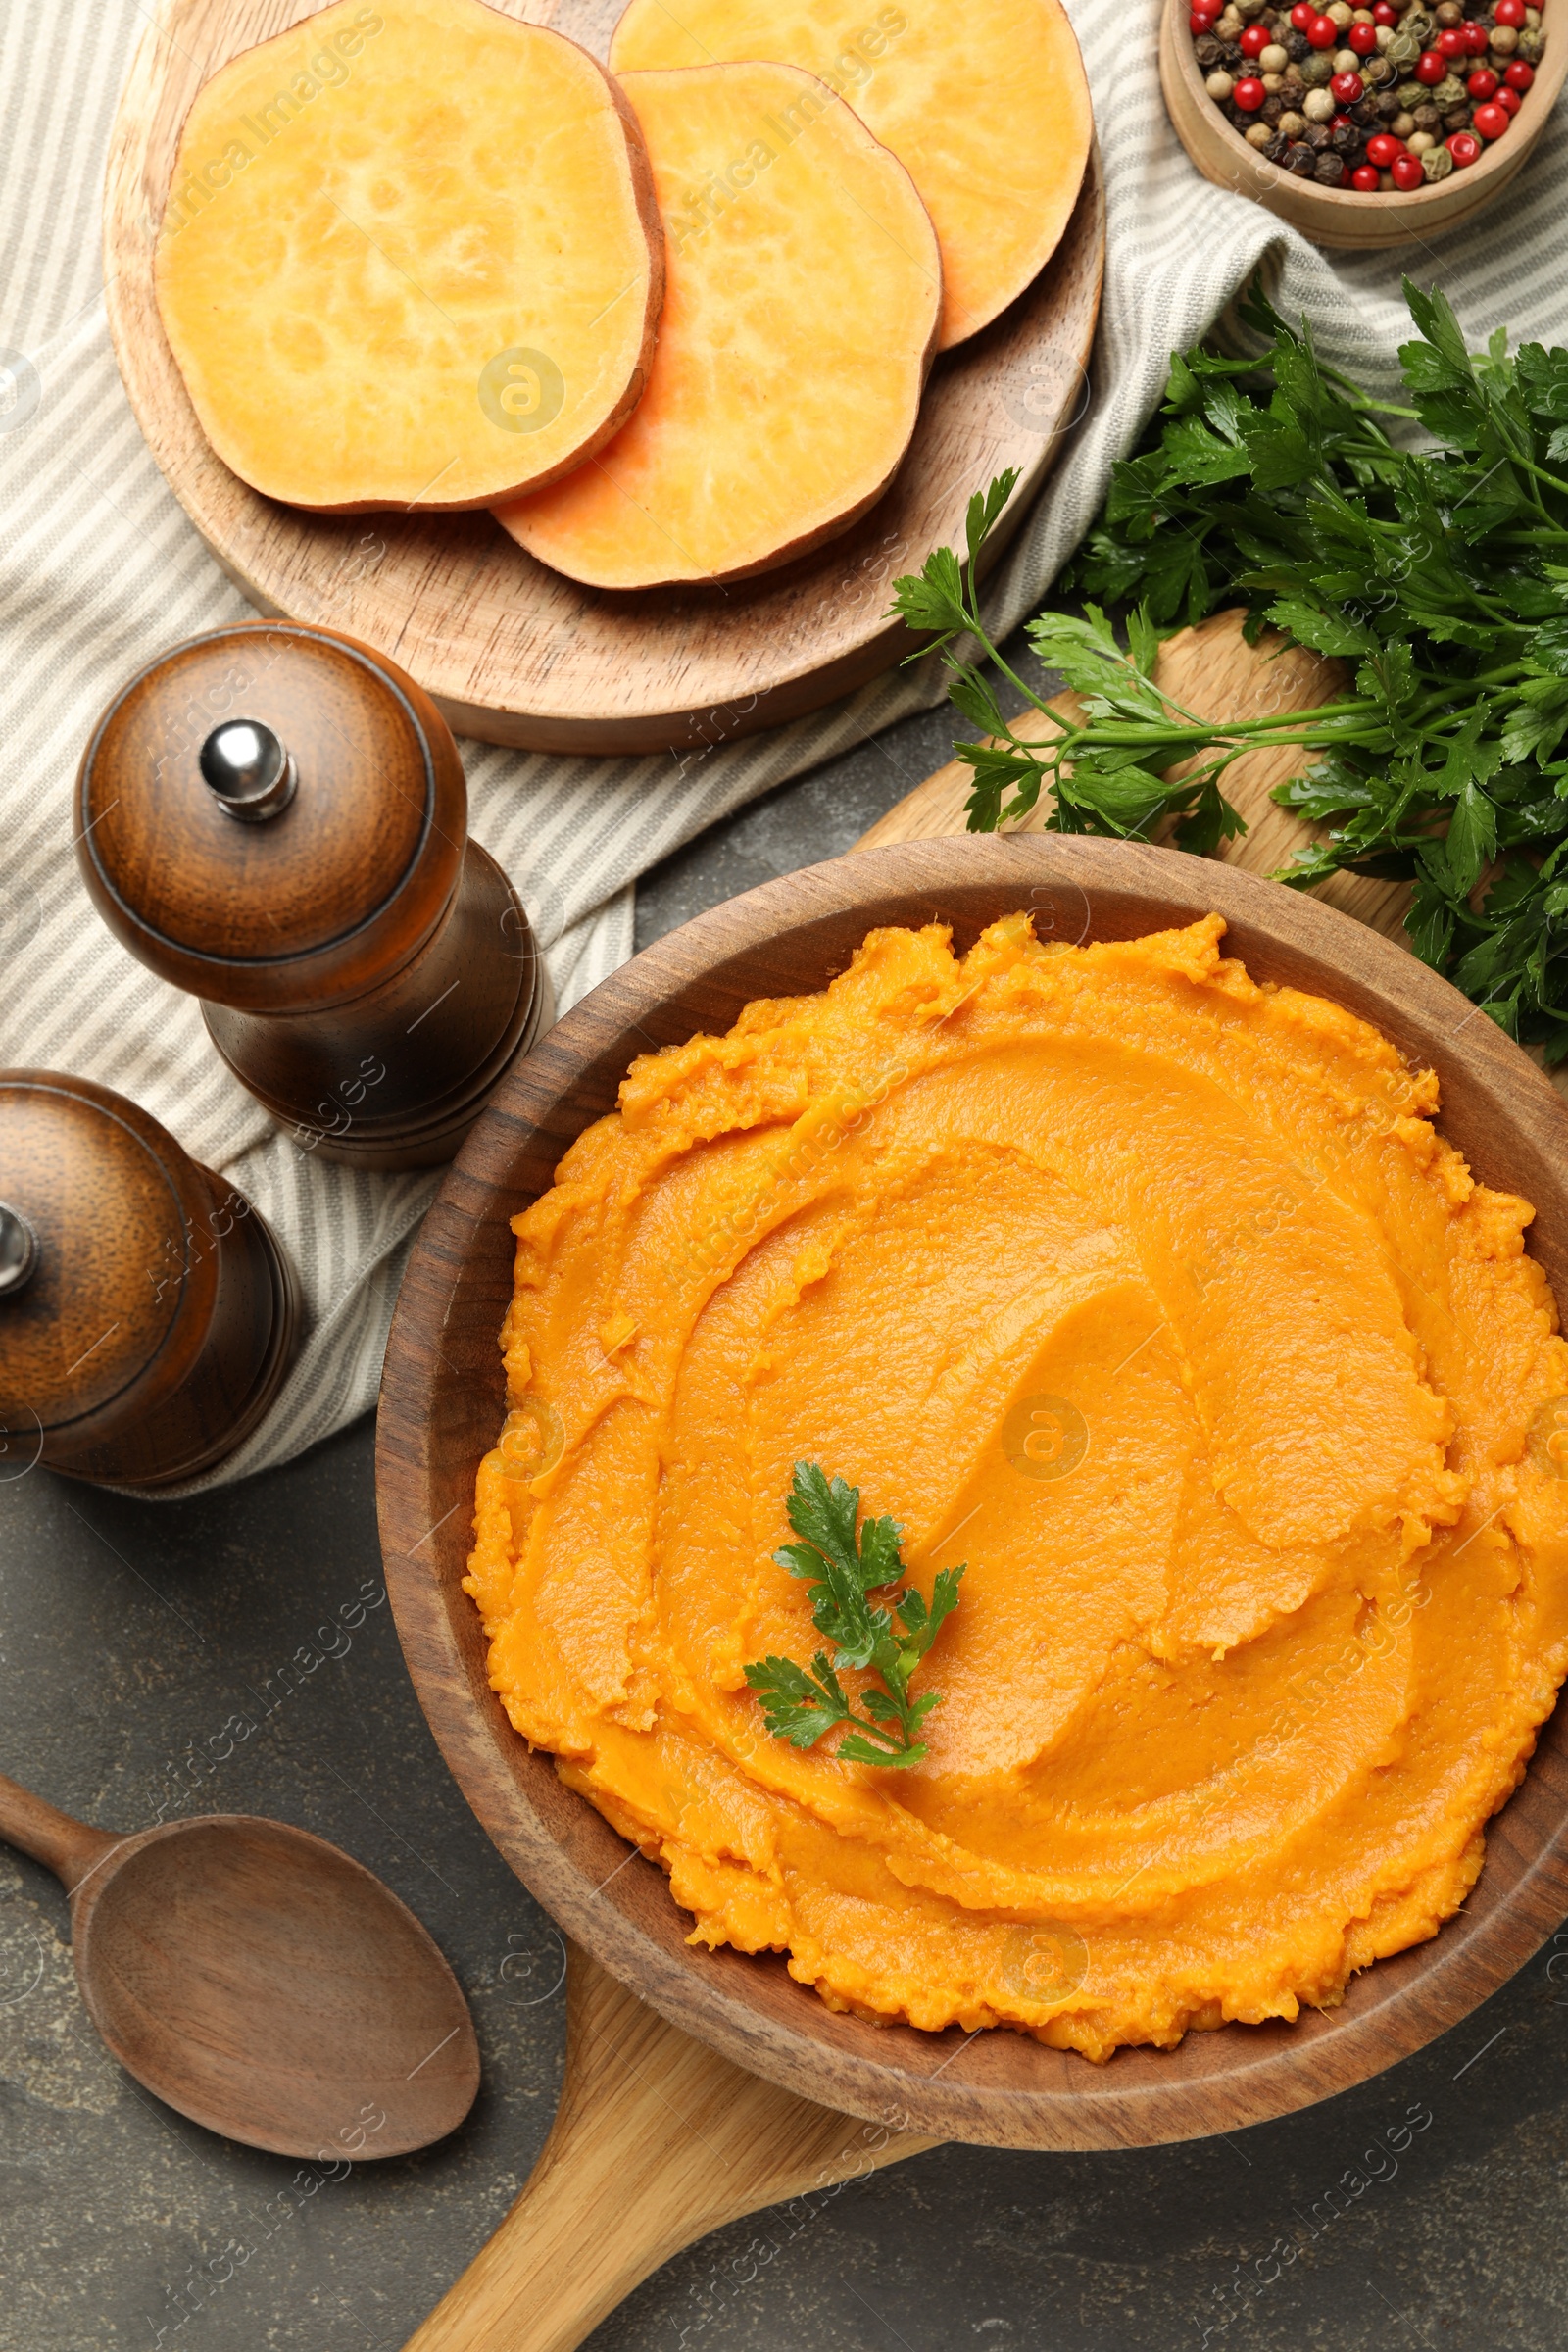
x,y
276,819
147,1314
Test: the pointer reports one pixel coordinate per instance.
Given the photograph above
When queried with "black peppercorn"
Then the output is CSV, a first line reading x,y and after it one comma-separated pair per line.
x,y
1208,52
1365,111
1318,135
1296,45
1300,160
1234,58
1329,170
1427,117
1457,117
1345,140
1277,148
1388,106
1271,110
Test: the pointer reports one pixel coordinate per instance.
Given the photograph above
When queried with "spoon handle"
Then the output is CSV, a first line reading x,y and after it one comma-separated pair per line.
x,y
656,2141
63,1844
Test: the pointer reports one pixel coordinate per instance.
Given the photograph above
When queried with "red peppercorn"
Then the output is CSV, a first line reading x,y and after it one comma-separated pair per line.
x,y
1450,41
1475,42
1255,40
1482,83
1510,12
1430,67
1508,100
1382,148
1342,122
1490,122
1364,179
1249,94
1383,13
1407,172
1363,38
1346,89
1324,33
1464,147
1519,75
1301,15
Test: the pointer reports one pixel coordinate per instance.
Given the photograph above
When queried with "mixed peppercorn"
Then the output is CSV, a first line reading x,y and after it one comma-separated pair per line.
x,y
1383,98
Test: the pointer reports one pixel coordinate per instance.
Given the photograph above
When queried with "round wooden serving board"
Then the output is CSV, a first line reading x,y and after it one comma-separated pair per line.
x,y
512,652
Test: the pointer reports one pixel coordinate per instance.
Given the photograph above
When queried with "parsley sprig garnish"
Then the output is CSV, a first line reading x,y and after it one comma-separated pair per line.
x,y
843,1573
1441,572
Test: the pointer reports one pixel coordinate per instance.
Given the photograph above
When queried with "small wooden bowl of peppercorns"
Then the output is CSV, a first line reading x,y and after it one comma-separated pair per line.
x,y
1363,127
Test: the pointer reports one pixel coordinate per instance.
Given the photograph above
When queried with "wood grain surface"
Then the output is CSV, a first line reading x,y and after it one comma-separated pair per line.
x,y
1339,218
442,1405
260,1980
510,651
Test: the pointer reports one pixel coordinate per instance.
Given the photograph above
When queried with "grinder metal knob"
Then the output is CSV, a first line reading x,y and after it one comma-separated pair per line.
x,y
247,768
18,1251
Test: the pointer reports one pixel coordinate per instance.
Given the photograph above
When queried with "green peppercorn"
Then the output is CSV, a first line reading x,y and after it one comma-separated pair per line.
x,y
1436,163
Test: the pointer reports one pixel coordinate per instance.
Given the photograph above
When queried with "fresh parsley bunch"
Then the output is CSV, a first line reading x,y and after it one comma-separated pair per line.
x,y
1442,575
843,1573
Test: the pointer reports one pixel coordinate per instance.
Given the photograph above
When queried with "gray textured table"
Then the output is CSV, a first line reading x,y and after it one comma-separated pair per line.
x,y
1421,2210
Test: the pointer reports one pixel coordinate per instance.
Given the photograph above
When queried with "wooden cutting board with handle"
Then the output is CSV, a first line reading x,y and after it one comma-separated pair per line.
x,y
1214,672
657,2140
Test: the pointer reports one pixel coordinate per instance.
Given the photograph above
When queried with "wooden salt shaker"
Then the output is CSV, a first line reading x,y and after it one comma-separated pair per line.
x,y
276,819
148,1317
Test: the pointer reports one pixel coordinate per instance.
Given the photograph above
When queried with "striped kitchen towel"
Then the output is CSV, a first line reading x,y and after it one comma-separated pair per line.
x,y
98,569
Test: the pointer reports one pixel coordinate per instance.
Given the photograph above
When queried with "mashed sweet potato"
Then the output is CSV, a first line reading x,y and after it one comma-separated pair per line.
x,y
1153,1294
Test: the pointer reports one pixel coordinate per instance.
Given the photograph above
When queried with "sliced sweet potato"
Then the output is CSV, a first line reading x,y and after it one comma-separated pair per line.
x,y
800,316
985,101
410,258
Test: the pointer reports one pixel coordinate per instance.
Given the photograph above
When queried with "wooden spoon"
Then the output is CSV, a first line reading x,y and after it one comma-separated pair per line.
x,y
259,1981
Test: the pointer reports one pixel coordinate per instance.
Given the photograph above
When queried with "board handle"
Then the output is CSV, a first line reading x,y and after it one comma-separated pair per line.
x,y
657,2141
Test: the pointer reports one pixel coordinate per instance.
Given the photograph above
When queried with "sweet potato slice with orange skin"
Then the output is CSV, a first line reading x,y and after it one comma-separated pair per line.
x,y
410,258
985,101
801,311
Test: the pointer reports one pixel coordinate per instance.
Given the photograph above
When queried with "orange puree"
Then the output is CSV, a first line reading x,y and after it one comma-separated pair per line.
x,y
1153,1295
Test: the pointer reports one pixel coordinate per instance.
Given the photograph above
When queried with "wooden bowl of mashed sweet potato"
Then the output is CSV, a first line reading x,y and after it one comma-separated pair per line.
x,y
1176,1274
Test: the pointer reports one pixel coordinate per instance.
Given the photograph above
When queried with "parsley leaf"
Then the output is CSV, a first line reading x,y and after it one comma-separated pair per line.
x,y
890,1638
1441,574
